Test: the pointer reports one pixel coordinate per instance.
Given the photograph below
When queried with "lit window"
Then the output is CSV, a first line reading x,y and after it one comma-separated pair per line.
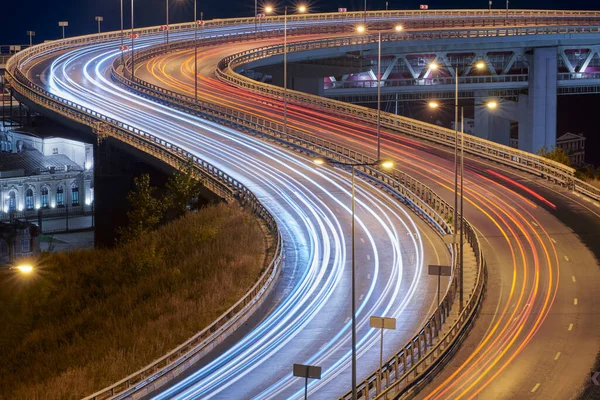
x,y
29,199
44,197
75,195
60,196
12,201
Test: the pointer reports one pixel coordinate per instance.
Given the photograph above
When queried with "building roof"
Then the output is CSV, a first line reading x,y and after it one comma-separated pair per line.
x,y
570,136
33,162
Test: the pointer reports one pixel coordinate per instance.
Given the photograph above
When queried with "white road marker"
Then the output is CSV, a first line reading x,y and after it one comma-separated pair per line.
x,y
570,327
534,224
368,257
575,301
537,385
556,357
566,259
362,240
573,277
346,321
362,296
369,276
553,240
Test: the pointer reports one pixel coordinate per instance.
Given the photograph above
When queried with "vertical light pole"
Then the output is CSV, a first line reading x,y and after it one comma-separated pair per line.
x,y
99,19
365,16
386,6
122,34
195,52
379,96
132,37
255,16
167,30
385,164
63,24
506,12
285,71
31,34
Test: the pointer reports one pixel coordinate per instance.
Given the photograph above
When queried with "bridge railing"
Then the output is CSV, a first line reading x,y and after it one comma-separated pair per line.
x,y
463,80
506,155
215,180
425,350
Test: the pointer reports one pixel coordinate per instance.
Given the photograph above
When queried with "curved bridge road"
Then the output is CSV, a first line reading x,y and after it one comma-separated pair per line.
x,y
306,318
537,335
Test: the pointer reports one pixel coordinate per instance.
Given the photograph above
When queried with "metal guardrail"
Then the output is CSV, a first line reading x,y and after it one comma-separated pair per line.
x,y
486,149
402,82
214,179
417,196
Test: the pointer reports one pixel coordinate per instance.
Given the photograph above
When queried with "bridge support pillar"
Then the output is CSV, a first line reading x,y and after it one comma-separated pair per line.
x,y
537,111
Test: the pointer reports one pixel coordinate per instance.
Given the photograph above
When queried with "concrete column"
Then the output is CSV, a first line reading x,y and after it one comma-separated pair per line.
x,y
539,115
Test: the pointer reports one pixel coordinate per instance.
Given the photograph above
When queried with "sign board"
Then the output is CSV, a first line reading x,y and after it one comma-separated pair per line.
x,y
382,322
63,23
342,10
200,22
30,33
260,15
123,48
424,7
164,27
307,371
15,48
596,378
135,36
99,19
441,270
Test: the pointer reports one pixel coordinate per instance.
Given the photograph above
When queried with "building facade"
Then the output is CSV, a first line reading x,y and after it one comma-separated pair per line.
x,y
574,146
44,173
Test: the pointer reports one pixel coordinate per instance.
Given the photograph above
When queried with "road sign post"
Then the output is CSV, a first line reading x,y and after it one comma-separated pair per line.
x,y
307,371
31,34
381,323
63,24
440,270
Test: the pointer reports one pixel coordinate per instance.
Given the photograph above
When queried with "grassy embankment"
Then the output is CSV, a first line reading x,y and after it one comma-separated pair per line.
x,y
90,318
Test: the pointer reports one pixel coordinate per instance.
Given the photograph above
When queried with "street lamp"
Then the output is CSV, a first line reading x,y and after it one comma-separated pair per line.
x,y
362,29
491,105
385,164
302,8
268,9
99,19
167,30
25,269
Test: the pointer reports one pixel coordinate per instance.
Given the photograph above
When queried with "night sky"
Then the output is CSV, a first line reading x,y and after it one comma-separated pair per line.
x,y
42,17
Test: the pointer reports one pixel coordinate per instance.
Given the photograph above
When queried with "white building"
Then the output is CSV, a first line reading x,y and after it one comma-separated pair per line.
x,y
44,173
574,146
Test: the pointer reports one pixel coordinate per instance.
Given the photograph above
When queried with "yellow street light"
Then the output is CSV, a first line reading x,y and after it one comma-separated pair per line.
x,y
268,9
386,164
302,8
433,65
492,104
319,161
433,104
361,29
480,65
398,28
25,269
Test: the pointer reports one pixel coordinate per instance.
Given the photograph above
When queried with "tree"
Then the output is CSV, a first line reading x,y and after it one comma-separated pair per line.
x,y
556,154
146,210
182,190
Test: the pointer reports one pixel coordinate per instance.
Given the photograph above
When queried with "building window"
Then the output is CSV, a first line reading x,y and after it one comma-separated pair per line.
x,y
12,202
44,197
29,199
60,196
75,195
55,150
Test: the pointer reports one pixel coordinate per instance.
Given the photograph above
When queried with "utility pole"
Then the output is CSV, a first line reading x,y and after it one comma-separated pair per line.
x,y
99,19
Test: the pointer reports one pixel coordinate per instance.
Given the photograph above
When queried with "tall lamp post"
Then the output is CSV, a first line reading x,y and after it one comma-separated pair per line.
x,y
385,164
491,105
362,29
167,27
99,19
268,10
132,37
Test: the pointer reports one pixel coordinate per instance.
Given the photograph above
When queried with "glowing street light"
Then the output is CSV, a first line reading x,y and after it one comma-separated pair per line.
x,y
385,164
268,9
433,104
25,269
492,104
398,28
480,65
433,66
361,29
302,8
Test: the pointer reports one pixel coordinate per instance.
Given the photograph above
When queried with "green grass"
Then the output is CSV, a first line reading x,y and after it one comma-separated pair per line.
x,y
91,317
